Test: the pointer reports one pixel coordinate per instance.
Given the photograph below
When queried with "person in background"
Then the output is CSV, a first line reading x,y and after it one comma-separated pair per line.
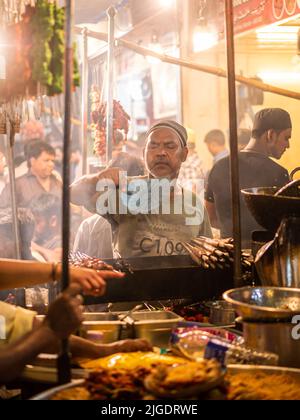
x,y
31,131
46,211
272,130
192,169
26,228
94,236
216,144
39,177
23,337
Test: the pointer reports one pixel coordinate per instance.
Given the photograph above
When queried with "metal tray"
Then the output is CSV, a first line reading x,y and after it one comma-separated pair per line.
x,y
295,373
153,326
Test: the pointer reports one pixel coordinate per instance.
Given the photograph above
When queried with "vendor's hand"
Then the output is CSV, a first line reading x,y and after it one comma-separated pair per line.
x,y
84,191
130,346
66,313
91,281
113,174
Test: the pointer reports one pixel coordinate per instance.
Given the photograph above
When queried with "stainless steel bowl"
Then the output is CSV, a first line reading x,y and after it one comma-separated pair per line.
x,y
265,303
221,313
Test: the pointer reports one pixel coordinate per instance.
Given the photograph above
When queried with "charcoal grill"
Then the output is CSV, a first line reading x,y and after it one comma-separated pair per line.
x,y
161,278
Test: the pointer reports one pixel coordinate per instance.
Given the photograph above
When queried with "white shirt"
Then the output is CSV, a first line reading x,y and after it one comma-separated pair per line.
x,y
94,238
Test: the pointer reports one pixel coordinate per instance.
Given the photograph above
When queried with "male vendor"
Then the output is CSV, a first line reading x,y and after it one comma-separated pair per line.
x,y
151,215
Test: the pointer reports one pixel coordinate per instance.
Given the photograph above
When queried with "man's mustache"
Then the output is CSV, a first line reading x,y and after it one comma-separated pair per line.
x,y
161,162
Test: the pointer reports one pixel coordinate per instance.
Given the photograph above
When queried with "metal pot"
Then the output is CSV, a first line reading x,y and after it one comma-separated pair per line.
x,y
277,262
275,338
221,313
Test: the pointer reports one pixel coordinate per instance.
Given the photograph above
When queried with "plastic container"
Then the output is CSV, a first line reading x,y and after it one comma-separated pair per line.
x,y
231,354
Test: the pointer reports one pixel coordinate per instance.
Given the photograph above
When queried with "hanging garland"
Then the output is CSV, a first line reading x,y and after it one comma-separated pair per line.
x,y
11,11
35,58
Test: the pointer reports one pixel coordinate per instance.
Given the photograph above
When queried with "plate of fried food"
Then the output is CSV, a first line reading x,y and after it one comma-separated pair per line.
x,y
185,381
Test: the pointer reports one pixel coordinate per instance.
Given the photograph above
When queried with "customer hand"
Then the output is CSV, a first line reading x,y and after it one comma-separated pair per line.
x,y
130,346
92,281
66,312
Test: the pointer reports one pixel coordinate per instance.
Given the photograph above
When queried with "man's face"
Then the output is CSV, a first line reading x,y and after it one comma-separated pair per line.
x,y
279,142
43,166
164,154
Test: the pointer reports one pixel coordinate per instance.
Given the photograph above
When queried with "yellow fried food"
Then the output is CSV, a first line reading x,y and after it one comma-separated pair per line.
x,y
130,361
74,394
191,373
262,386
184,381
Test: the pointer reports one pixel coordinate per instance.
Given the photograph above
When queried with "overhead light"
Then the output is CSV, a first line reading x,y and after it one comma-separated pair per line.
x,y
279,76
167,3
277,34
203,39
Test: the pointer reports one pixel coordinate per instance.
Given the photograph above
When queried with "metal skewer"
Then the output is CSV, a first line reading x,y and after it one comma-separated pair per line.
x,y
63,361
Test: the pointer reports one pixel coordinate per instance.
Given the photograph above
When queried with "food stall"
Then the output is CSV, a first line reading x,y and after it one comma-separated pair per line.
x,y
194,356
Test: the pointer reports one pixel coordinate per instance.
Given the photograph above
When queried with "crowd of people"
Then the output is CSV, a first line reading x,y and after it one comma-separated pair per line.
x,y
170,153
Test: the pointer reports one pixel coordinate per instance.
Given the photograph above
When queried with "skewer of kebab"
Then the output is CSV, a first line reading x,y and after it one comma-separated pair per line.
x,y
120,123
79,259
199,257
212,253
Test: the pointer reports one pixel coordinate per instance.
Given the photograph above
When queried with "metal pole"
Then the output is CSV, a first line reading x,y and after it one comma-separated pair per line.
x,y
63,362
84,99
234,158
111,13
12,183
19,293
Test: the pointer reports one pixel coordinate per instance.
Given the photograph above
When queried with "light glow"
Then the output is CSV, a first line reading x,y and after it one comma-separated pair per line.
x,y
167,3
156,47
203,40
277,34
279,76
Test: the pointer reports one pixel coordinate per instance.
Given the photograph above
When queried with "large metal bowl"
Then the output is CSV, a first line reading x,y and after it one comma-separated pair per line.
x,y
265,303
269,210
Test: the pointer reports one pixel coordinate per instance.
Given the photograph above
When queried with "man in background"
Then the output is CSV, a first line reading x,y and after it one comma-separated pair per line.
x,y
192,170
46,210
216,144
38,179
272,130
